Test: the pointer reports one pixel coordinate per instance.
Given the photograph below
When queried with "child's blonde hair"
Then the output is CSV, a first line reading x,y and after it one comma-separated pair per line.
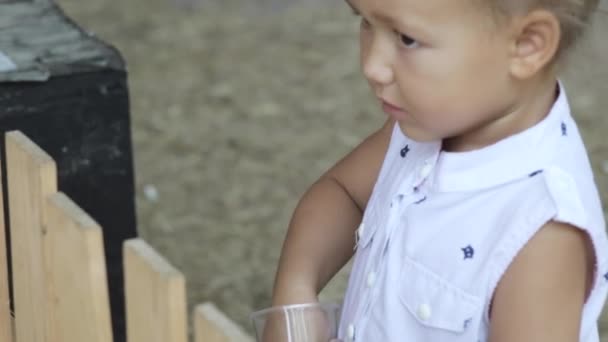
x,y
574,15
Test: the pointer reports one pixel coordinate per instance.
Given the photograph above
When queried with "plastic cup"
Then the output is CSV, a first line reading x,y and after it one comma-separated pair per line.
x,y
311,322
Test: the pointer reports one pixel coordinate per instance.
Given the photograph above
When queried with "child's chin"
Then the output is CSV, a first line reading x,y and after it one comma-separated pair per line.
x,y
417,134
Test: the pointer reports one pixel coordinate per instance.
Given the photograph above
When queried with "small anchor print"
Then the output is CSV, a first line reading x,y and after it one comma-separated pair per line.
x,y
405,151
420,200
564,129
468,251
606,276
467,323
535,173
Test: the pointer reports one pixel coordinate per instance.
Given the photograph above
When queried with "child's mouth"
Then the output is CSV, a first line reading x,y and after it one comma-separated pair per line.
x,y
393,110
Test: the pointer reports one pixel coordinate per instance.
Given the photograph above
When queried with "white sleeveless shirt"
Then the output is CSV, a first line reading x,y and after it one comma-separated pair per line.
x,y
440,230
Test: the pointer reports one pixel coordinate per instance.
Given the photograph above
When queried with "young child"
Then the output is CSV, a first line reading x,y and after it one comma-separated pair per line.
x,y
477,213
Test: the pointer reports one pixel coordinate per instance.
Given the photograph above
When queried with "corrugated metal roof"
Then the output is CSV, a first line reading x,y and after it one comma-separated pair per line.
x,y
38,41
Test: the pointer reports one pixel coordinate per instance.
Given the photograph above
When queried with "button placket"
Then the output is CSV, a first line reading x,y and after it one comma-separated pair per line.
x,y
373,259
369,291
376,259
377,265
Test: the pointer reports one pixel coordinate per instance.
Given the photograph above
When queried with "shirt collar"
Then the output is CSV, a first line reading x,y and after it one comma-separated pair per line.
x,y
517,156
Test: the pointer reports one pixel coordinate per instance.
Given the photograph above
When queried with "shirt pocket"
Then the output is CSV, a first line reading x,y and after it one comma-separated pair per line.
x,y
438,309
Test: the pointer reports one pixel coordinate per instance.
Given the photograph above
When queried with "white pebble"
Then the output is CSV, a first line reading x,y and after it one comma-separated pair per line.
x,y
151,193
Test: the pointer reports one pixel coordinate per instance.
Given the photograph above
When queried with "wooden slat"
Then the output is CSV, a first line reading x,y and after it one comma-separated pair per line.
x,y
32,176
6,325
211,325
80,309
155,296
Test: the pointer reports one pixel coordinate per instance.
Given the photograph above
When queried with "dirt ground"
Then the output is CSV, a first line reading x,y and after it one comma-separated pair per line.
x,y
238,108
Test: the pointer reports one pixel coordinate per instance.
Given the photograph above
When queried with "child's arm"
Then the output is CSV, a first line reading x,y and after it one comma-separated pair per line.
x,y
320,238
540,297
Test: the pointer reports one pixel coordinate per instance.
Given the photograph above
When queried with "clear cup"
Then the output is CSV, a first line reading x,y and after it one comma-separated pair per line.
x,y
311,322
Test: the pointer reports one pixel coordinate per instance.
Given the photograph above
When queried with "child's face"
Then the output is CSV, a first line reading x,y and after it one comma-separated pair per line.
x,y
442,62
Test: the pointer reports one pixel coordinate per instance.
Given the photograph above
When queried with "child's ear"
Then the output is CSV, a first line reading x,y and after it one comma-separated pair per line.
x,y
535,43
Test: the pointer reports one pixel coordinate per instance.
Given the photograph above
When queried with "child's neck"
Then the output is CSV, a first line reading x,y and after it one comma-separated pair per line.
x,y
532,103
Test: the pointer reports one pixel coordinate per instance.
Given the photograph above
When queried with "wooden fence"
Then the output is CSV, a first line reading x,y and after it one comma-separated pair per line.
x,y
59,272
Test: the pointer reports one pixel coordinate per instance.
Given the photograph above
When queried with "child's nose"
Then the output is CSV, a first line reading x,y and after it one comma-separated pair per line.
x,y
377,67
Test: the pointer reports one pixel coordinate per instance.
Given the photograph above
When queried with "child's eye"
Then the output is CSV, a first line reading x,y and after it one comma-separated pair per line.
x,y
408,41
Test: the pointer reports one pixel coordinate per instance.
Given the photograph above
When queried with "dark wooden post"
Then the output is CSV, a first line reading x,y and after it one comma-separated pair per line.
x,y
67,91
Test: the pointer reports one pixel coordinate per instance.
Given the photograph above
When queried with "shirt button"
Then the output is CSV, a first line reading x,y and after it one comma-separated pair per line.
x,y
424,312
371,279
350,332
425,171
361,229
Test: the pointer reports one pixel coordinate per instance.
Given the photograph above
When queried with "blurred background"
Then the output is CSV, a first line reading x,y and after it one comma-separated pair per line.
x,y
238,106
